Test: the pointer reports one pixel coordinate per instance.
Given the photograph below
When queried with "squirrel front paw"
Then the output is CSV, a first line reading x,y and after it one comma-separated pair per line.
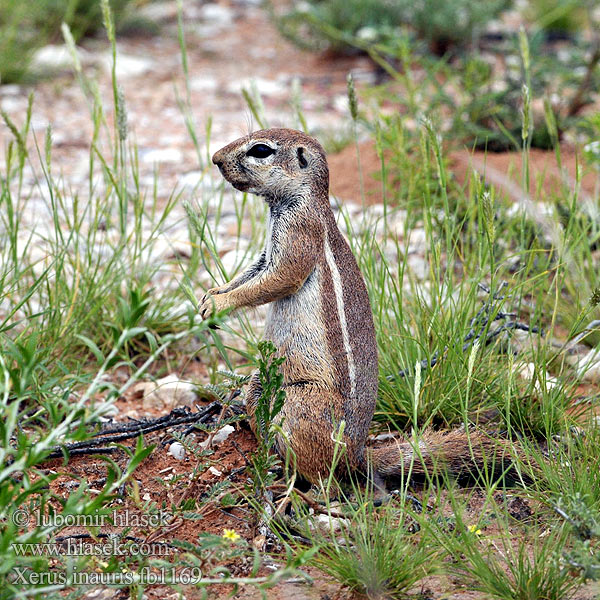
x,y
220,289
213,304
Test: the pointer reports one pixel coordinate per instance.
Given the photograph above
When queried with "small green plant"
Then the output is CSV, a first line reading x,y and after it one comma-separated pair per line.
x,y
268,407
584,518
373,554
134,311
570,471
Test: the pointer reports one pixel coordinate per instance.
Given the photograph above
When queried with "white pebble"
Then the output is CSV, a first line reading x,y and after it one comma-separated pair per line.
x,y
588,367
219,437
177,451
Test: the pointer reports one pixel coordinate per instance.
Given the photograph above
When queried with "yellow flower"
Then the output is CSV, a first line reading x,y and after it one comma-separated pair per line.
x,y
473,529
231,535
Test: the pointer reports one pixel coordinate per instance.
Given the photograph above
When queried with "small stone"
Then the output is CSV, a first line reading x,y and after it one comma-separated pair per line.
x,y
127,65
418,266
10,89
191,180
168,392
53,57
259,542
265,87
158,11
528,371
231,260
220,436
169,248
588,367
216,14
215,471
417,241
203,84
327,524
177,451
99,594
340,104
11,104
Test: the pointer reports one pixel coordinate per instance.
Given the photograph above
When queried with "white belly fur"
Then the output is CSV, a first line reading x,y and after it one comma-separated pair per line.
x,y
295,325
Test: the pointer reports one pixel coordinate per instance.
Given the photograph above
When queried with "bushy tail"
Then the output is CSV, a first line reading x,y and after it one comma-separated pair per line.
x,y
457,453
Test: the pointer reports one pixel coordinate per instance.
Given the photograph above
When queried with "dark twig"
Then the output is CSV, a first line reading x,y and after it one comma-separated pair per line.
x,y
178,416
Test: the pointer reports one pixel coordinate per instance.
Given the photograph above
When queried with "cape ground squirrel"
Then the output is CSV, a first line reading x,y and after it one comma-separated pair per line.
x,y
319,315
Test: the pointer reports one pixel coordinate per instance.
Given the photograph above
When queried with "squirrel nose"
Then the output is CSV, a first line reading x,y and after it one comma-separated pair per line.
x,y
217,159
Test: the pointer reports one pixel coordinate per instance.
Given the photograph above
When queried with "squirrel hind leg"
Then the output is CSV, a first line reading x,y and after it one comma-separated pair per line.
x,y
309,421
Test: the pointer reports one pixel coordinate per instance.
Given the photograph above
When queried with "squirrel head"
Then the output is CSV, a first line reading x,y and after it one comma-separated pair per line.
x,y
278,164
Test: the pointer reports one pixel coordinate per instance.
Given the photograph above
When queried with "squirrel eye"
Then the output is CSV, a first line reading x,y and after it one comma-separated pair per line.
x,y
260,151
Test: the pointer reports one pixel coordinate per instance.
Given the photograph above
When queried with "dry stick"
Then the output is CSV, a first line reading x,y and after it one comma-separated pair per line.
x,y
241,453
173,525
174,418
222,495
312,503
286,496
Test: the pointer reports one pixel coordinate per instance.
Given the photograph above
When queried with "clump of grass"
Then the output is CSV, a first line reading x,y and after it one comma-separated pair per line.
x,y
532,570
371,550
569,472
373,554
494,557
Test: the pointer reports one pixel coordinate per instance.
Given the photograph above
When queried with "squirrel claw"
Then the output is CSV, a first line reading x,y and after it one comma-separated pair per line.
x,y
212,305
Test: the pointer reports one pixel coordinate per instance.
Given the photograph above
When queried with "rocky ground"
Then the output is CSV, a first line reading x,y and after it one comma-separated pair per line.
x,y
230,47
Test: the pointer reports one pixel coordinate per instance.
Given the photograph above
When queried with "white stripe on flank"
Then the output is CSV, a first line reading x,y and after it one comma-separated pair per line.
x,y
339,298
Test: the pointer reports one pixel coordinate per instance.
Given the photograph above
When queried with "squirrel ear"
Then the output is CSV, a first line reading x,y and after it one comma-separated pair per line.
x,y
301,158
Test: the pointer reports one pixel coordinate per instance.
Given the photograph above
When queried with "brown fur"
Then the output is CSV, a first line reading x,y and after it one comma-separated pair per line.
x,y
319,316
